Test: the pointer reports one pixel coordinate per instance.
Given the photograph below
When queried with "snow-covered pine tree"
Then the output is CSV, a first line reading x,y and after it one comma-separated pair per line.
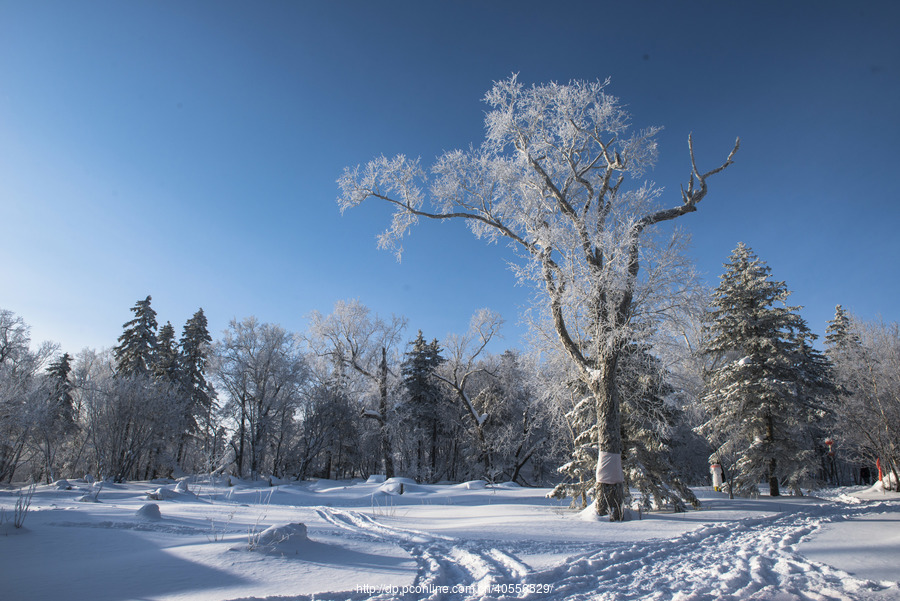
x,y
579,484
136,352
815,386
840,335
648,419
758,400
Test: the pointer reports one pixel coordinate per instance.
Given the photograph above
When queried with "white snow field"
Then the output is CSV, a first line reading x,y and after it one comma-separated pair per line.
x,y
204,540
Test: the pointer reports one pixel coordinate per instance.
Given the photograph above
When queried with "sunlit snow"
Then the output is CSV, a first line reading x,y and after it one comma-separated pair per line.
x,y
222,538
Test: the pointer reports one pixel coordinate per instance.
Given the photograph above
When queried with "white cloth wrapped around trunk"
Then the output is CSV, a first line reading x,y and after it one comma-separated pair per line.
x,y
609,468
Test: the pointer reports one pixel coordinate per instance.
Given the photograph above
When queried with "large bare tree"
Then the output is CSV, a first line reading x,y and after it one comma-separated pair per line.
x,y
550,178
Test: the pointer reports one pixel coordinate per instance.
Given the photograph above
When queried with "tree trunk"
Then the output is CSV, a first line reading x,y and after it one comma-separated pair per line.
x,y
773,479
773,463
434,439
386,450
609,477
239,460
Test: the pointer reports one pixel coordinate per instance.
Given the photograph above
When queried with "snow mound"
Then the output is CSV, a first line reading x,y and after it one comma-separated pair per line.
x,y
887,483
845,498
392,488
150,511
400,486
375,479
472,485
62,485
286,539
400,481
162,494
589,514
179,492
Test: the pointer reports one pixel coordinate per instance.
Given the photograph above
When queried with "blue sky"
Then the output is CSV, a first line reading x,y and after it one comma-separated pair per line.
x,y
189,150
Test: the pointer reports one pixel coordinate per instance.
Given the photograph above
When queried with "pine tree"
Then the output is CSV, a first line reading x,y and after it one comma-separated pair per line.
x,y
165,365
647,421
763,398
579,484
193,360
422,399
840,336
52,418
61,390
136,352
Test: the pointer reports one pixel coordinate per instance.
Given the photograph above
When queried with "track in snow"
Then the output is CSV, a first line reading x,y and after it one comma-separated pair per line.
x,y
444,564
754,558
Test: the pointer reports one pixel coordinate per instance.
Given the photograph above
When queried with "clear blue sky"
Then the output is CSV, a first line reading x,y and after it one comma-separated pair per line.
x,y
189,150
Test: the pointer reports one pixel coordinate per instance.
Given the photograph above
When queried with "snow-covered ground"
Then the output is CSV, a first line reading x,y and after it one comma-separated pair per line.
x,y
210,541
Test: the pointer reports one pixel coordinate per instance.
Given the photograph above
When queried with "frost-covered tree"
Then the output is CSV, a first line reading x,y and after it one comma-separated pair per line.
x,y
524,431
767,393
136,352
866,407
53,417
457,371
550,179
331,439
23,390
368,345
677,343
840,335
649,417
261,369
128,419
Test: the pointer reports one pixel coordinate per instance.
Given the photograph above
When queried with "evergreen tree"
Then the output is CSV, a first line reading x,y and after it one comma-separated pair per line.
x,y
61,390
579,484
52,418
762,400
839,336
193,359
646,424
423,396
648,420
136,352
165,365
